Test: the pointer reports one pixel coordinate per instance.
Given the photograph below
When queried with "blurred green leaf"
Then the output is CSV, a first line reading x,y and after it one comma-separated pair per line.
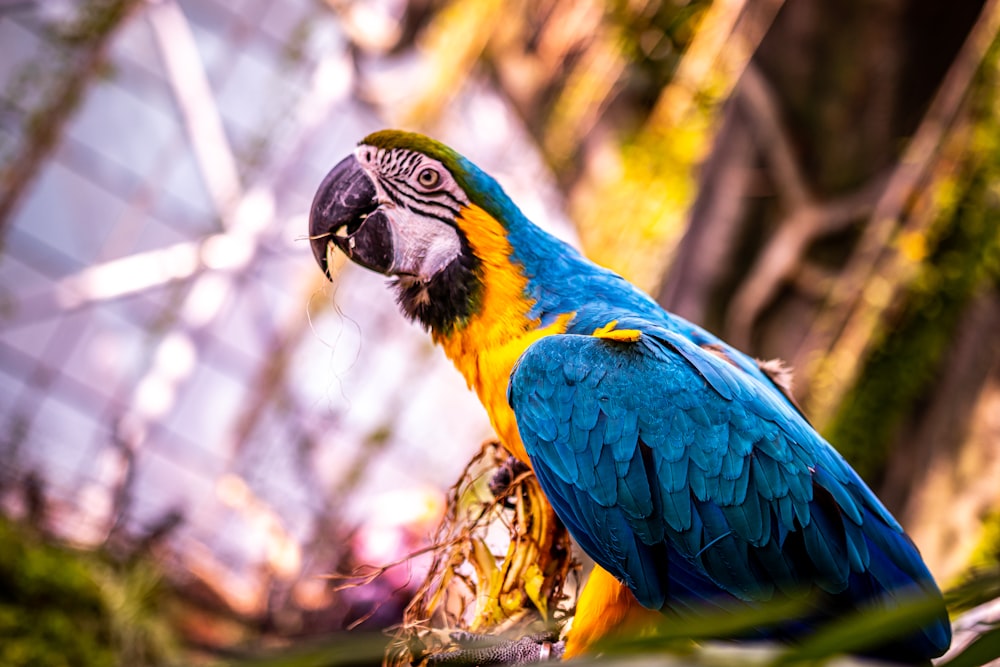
x,y
864,629
345,650
978,586
61,606
676,634
51,610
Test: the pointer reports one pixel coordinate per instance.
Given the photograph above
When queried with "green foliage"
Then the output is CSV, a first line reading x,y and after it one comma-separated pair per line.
x,y
672,643
987,553
978,586
51,610
862,630
900,370
351,650
62,607
136,603
95,20
851,632
654,37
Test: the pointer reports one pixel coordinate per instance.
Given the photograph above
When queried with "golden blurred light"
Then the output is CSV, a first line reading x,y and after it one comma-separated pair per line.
x,y
312,594
913,246
281,551
244,594
232,491
284,554
878,292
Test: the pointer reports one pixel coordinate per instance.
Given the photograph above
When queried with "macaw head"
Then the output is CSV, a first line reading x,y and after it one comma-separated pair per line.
x,y
413,209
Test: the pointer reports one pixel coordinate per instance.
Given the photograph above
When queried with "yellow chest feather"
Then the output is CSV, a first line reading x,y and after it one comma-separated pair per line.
x,y
488,373
486,347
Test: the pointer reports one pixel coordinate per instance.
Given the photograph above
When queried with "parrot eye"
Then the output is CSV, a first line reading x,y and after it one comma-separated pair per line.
x,y
428,178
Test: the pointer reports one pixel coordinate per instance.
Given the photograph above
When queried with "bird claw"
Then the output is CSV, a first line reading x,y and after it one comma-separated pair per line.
x,y
505,475
476,649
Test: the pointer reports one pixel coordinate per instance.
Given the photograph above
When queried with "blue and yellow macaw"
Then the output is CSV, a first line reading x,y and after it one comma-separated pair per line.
x,y
678,463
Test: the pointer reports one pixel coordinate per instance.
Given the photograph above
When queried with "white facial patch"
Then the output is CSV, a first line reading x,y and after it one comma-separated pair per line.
x,y
422,246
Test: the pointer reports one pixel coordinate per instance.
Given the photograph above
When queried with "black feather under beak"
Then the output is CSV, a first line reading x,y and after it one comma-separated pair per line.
x,y
345,211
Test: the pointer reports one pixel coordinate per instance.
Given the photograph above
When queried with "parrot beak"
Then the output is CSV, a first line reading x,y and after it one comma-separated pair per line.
x,y
345,212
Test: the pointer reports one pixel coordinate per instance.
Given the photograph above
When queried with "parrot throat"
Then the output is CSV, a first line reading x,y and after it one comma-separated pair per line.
x,y
491,340
447,300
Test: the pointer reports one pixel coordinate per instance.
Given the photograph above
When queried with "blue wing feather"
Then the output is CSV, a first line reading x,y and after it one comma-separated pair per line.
x,y
679,472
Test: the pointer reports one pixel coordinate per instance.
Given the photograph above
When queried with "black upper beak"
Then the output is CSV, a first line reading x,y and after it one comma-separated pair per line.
x,y
345,211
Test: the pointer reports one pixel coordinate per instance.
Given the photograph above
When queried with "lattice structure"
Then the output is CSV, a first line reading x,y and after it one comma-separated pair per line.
x,y
168,345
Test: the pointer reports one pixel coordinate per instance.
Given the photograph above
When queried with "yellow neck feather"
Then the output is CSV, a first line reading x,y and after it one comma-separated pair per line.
x,y
486,348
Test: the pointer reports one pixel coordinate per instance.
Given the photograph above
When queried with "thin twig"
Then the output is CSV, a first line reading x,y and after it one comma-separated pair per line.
x,y
755,95
784,254
806,219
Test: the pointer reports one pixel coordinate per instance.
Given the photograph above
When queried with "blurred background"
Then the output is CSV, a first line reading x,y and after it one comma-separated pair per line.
x,y
196,427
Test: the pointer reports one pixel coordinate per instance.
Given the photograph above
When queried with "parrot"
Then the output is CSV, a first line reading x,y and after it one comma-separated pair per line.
x,y
678,463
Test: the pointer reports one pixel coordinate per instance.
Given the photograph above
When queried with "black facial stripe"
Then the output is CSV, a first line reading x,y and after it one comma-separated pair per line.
x,y
387,162
434,209
399,162
396,167
394,194
456,202
406,190
446,218
412,162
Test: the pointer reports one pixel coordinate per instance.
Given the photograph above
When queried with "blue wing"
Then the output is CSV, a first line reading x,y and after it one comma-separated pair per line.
x,y
699,486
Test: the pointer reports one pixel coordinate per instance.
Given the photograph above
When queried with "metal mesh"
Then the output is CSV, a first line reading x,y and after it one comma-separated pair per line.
x,y
168,345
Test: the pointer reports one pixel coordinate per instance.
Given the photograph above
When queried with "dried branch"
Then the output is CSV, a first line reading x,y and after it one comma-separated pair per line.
x,y
755,95
844,332
784,255
469,586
